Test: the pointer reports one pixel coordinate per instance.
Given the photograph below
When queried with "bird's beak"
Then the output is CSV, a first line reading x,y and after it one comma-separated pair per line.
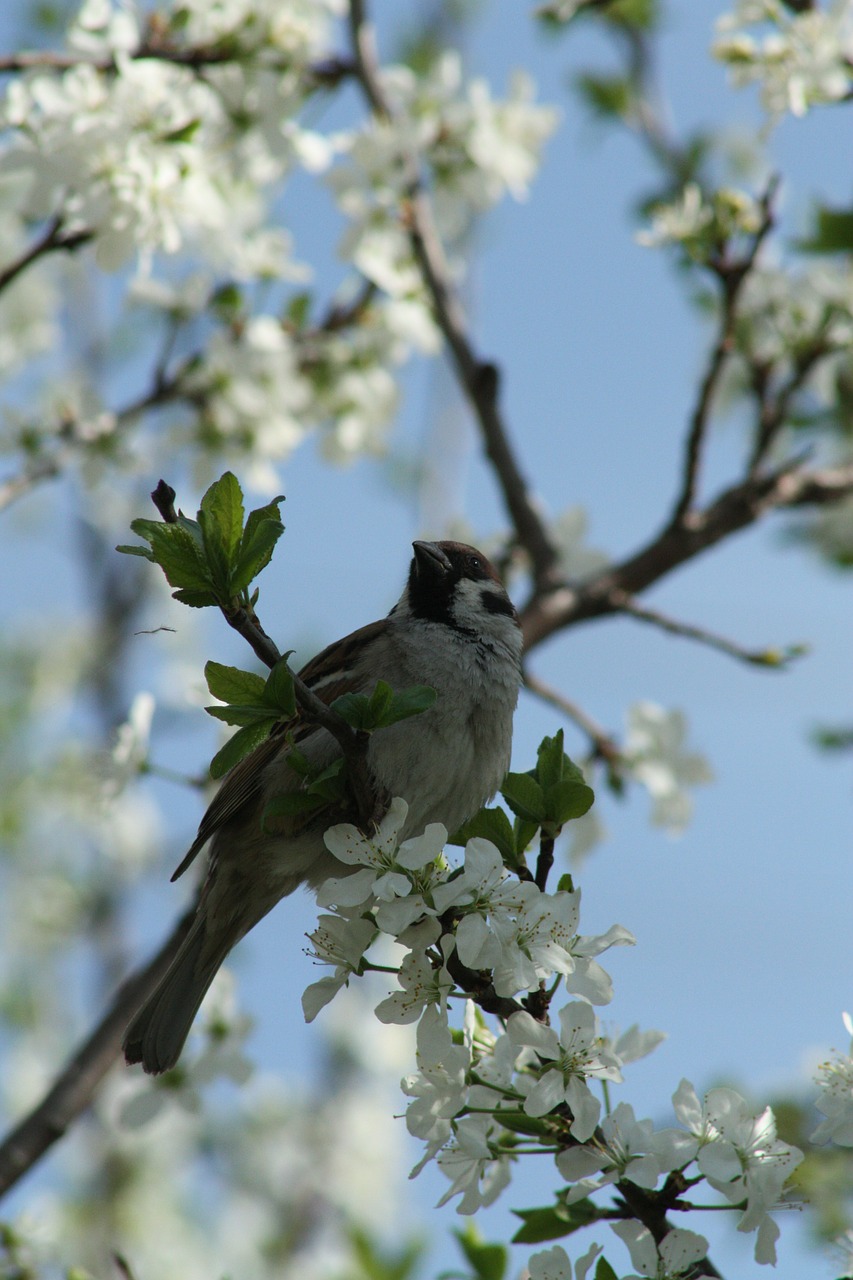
x,y
430,559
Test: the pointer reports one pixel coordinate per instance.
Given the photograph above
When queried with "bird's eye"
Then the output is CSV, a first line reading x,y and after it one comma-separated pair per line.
x,y
474,563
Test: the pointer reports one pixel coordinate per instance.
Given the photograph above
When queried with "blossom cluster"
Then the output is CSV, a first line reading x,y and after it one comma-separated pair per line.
x,y
479,1095
699,222
164,141
798,58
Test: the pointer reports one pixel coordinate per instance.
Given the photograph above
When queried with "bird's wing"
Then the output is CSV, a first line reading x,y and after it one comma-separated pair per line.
x,y
242,784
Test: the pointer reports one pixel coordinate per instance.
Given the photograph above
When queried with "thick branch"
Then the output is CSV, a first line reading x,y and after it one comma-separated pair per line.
x,y
75,1087
478,377
735,509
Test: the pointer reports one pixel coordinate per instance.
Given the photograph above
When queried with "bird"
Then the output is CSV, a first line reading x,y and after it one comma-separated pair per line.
x,y
455,629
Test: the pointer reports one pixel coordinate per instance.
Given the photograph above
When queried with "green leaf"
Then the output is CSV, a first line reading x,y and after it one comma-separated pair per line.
x,y
299,309
607,96
331,783
220,519
518,1122
568,799
380,702
410,702
489,824
185,133
554,1221
238,746
355,709
234,713
524,796
196,599
262,532
231,684
604,1271
137,551
524,833
489,1261
227,300
383,707
222,505
177,552
833,232
550,760
278,691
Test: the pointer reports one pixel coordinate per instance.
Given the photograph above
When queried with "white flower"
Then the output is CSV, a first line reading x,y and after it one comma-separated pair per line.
x,y
578,1054
682,221
739,1154
843,1249
341,943
130,751
675,1256
474,1163
654,752
555,1264
440,1086
577,559
386,863
483,884
804,60
836,1097
504,139
523,947
422,984
627,1148
252,388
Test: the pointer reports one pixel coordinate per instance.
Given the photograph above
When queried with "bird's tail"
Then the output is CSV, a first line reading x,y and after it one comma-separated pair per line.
x,y
157,1034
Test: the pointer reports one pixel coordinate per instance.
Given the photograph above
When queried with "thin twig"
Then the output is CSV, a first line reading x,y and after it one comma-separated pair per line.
x,y
479,378
327,73
731,276
773,659
353,744
50,241
15,487
773,411
604,745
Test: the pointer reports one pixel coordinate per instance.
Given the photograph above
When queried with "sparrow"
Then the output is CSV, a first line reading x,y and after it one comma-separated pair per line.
x,y
455,629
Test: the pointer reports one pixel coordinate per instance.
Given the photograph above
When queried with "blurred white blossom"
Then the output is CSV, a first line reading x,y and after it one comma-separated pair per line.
x,y
655,755
835,1101
798,60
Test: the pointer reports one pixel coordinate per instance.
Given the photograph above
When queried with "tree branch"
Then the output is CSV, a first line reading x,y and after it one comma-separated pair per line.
x,y
604,745
478,378
736,508
774,658
51,240
75,1087
353,745
327,73
731,275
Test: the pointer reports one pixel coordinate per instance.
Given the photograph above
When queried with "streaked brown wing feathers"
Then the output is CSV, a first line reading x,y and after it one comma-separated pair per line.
x,y
242,784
